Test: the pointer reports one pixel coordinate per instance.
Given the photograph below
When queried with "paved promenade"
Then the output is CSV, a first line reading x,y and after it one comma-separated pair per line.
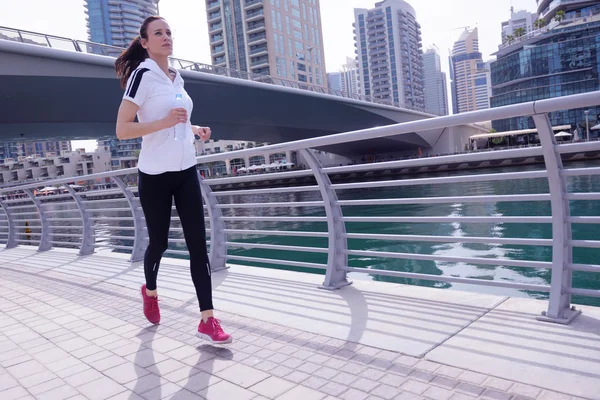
x,y
72,328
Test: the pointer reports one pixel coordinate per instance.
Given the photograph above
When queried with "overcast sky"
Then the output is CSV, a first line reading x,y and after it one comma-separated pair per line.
x,y
441,21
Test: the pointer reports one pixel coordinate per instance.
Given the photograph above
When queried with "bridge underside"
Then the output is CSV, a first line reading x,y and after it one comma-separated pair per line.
x,y
57,95
41,107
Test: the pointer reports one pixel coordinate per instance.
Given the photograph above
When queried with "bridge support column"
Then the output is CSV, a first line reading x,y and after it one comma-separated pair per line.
x,y
247,161
559,307
337,259
288,156
228,166
267,158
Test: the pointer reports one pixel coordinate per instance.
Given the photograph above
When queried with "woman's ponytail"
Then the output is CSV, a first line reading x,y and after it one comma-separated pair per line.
x,y
133,56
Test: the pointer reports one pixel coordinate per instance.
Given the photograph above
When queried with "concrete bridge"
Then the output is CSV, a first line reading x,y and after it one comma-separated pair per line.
x,y
50,92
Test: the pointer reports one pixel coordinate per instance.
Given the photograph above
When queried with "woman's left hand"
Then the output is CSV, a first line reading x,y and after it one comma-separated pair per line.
x,y
202,131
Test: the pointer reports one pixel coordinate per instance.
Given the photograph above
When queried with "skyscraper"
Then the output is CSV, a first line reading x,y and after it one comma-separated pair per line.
x,y
347,79
518,20
388,47
436,94
560,59
116,22
469,74
280,38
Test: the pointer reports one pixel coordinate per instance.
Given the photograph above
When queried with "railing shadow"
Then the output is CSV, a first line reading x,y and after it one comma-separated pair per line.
x,y
508,341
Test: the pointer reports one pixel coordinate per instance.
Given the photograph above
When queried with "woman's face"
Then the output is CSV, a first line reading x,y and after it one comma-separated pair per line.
x,y
159,42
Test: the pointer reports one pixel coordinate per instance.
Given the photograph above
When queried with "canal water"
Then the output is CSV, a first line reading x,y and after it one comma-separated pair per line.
x,y
456,229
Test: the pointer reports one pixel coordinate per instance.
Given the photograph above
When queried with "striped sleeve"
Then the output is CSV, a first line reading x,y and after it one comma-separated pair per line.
x,y
138,87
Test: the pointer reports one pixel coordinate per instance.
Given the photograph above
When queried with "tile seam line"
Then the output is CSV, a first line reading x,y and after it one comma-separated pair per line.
x,y
467,325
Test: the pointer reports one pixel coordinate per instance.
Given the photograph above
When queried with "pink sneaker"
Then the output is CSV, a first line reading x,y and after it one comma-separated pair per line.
x,y
151,310
211,330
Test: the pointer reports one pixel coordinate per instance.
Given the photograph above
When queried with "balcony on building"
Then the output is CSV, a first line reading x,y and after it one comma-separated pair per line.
x,y
259,62
383,57
212,5
377,51
379,36
258,50
215,27
214,16
377,29
255,15
218,50
216,39
262,70
218,61
257,38
252,4
256,27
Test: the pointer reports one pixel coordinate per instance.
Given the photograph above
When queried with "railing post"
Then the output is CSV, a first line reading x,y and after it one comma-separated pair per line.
x,y
11,241
140,243
335,276
88,240
218,238
559,307
45,244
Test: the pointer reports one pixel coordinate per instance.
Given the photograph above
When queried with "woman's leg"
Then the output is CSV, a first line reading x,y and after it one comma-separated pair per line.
x,y
156,200
188,201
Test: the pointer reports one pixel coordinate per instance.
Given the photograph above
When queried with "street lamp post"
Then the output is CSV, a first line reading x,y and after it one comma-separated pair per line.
x,y
587,124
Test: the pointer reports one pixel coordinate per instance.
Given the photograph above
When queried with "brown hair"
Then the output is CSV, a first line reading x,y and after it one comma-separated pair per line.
x,y
133,56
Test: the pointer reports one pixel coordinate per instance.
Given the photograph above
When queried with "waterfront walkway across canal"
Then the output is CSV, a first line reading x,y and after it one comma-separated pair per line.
x,y
71,327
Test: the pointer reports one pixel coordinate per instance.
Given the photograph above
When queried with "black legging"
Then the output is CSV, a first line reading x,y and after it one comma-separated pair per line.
x,y
156,194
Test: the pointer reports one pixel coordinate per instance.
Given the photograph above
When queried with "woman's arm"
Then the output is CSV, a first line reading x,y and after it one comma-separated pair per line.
x,y
203,132
128,129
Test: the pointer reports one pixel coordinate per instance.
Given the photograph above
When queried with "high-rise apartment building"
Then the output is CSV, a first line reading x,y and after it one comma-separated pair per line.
x,y
436,94
469,74
561,59
280,38
522,22
347,80
388,48
116,22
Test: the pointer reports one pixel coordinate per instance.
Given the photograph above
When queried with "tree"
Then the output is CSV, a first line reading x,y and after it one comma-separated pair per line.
x,y
509,39
493,130
559,16
539,23
519,32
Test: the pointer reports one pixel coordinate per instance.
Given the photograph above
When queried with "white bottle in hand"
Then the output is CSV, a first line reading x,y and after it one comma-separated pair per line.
x,y
180,129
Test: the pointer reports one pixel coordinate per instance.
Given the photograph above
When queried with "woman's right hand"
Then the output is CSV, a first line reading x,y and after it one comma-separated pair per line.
x,y
176,116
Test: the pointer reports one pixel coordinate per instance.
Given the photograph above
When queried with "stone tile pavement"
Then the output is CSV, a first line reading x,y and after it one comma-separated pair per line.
x,y
64,336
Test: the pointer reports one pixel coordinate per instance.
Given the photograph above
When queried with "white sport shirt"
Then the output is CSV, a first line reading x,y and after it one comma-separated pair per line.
x,y
154,93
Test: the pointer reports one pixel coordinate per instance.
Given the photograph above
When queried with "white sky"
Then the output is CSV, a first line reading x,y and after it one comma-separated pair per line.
x,y
441,23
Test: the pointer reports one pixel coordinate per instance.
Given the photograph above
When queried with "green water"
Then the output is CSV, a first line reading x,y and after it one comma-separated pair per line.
x,y
465,270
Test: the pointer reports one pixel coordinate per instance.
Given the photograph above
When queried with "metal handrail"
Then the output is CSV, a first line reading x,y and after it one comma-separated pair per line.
x,y
113,51
331,221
